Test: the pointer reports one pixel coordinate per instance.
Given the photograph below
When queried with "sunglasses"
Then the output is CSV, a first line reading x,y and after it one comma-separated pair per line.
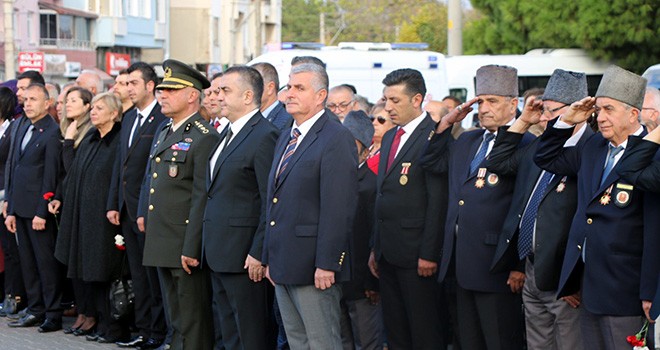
x,y
381,120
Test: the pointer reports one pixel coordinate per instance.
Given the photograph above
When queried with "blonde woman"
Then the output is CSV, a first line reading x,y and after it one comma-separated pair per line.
x,y
75,123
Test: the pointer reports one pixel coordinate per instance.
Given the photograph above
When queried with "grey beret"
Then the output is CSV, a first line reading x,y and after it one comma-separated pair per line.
x,y
497,80
623,86
359,124
566,87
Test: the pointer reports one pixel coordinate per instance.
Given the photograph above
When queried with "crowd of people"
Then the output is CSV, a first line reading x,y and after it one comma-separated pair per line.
x,y
252,217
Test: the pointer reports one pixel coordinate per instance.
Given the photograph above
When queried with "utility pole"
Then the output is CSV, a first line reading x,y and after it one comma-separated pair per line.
x,y
454,28
322,28
10,69
259,36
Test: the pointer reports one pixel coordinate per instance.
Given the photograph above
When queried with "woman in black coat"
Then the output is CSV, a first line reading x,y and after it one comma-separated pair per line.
x,y
86,242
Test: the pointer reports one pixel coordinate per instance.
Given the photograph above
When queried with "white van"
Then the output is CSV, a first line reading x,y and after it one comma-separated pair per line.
x,y
364,65
534,70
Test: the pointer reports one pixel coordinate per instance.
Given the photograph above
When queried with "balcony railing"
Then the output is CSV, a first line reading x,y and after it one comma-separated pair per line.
x,y
68,44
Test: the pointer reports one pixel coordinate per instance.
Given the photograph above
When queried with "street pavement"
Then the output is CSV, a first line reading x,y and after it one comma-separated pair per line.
x,y
31,339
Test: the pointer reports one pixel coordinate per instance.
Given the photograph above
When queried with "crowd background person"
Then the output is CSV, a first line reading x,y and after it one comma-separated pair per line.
x,y
75,123
382,123
86,240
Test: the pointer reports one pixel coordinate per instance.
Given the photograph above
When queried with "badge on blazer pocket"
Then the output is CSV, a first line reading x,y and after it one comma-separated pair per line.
x,y
492,179
623,195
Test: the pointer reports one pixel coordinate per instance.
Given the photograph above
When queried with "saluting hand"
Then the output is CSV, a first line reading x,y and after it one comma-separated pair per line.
x,y
456,115
579,111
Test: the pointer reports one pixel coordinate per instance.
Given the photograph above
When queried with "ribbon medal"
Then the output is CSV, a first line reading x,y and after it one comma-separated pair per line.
x,y
181,146
174,170
607,196
562,185
405,167
481,176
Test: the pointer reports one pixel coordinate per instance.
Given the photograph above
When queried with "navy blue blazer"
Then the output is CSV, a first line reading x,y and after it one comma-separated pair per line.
x,y
622,240
555,212
409,216
235,213
279,117
131,163
311,208
479,213
35,170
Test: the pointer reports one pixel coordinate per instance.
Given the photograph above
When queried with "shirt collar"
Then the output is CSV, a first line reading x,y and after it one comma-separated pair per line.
x,y
147,110
624,144
267,111
177,125
238,125
412,125
307,124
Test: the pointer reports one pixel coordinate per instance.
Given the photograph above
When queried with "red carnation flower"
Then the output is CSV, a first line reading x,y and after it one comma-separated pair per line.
x,y
49,196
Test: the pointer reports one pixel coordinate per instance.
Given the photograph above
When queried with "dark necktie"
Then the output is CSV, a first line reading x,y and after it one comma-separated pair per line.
x,y
227,139
27,137
609,164
136,129
394,147
529,216
290,149
481,154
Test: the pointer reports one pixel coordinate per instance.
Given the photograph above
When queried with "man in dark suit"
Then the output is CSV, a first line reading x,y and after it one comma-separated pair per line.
x,y
411,205
176,204
611,255
234,218
488,304
139,126
312,191
33,171
271,108
536,228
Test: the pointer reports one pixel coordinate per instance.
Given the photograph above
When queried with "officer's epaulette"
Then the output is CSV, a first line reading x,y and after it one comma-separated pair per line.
x,y
203,129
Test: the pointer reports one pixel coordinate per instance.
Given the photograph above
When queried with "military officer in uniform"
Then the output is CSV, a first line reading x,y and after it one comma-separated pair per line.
x,y
175,205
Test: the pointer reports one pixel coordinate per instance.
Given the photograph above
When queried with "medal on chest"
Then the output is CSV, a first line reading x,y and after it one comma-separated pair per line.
x,y
405,167
606,198
173,170
562,185
481,178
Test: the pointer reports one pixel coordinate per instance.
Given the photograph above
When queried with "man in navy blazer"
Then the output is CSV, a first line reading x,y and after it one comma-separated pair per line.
x,y
536,228
411,205
612,253
34,170
137,133
488,304
271,108
312,196
234,217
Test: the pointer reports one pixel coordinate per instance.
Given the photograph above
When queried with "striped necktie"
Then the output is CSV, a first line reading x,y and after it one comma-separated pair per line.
x,y
290,149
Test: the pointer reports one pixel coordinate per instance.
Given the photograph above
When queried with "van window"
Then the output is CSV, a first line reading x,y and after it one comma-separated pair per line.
x,y
460,94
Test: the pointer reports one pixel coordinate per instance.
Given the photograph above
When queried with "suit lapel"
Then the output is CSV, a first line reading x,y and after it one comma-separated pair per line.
x,y
412,139
302,147
385,147
472,151
234,143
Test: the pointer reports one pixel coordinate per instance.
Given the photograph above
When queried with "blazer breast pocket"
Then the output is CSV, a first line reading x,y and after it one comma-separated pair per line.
x,y
306,230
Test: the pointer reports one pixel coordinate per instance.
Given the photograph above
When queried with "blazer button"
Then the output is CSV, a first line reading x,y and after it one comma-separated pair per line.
x,y
152,191
274,200
589,221
579,247
461,202
272,223
187,221
173,159
508,241
151,207
155,175
157,159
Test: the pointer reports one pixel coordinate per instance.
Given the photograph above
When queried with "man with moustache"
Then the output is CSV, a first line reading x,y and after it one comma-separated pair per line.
x,y
488,304
612,252
139,126
175,205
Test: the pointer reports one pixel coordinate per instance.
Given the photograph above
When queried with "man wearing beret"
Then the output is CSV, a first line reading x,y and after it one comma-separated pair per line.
x,y
612,252
536,228
176,200
489,304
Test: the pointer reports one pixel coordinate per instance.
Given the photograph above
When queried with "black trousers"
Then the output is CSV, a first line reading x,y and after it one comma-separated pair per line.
x,y
149,311
243,307
41,271
492,321
13,277
85,299
410,308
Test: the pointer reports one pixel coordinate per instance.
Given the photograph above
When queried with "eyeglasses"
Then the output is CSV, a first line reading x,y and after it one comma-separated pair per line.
x,y
381,120
341,106
649,109
552,111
